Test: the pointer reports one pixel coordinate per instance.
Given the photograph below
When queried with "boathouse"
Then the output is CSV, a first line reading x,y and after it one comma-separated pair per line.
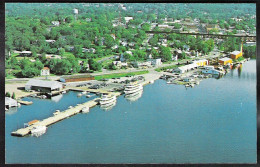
x,y
76,78
225,61
9,102
43,86
235,54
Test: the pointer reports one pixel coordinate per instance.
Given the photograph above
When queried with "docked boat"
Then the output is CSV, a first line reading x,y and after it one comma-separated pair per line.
x,y
88,96
132,88
85,110
83,93
56,112
106,99
152,81
63,92
134,96
108,106
38,130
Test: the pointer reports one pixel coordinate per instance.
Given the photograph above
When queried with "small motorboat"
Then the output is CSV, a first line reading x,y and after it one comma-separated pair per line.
x,y
38,130
79,94
83,93
85,110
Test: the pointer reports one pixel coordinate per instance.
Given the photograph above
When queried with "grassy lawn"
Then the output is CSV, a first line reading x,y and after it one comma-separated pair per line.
x,y
14,54
167,67
100,58
118,75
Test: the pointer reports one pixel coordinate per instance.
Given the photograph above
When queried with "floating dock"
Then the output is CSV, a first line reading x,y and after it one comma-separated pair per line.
x,y
56,118
25,102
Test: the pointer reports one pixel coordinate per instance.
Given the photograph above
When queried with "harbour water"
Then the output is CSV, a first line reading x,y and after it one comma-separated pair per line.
x,y
214,122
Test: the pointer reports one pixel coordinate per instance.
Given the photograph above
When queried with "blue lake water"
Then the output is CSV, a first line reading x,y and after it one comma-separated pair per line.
x,y
214,122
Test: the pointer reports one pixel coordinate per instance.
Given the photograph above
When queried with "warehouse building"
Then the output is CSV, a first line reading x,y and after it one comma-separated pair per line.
x,y
76,78
225,61
235,54
43,86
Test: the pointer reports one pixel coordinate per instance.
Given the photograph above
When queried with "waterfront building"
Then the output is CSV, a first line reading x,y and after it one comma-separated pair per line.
x,y
202,62
9,102
76,78
185,68
235,54
225,61
42,86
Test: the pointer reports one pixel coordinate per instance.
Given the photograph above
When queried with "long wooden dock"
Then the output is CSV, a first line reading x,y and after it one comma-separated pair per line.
x,y
56,118
25,102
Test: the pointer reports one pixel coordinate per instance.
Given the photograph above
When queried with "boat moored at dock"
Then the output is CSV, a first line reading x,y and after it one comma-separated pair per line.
x,y
38,130
106,99
132,88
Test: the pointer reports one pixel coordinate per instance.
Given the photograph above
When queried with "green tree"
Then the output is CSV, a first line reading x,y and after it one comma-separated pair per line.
x,y
165,53
7,94
13,96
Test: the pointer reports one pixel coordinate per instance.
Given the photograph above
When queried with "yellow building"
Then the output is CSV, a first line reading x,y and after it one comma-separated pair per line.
x,y
235,54
225,61
203,62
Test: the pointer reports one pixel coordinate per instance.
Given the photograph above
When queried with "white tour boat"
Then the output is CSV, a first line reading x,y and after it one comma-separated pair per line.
x,y
132,88
106,99
38,130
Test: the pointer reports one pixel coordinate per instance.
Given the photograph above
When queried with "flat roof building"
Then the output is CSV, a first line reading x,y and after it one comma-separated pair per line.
x,y
225,61
43,86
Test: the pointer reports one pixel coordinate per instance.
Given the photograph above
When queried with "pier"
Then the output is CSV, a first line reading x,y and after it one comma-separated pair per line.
x,y
71,111
56,118
25,102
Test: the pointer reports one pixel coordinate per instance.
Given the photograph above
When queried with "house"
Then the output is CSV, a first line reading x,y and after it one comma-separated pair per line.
x,y
141,64
225,61
45,71
113,36
122,59
9,102
55,23
50,41
235,54
88,19
117,64
76,78
127,19
155,62
43,86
